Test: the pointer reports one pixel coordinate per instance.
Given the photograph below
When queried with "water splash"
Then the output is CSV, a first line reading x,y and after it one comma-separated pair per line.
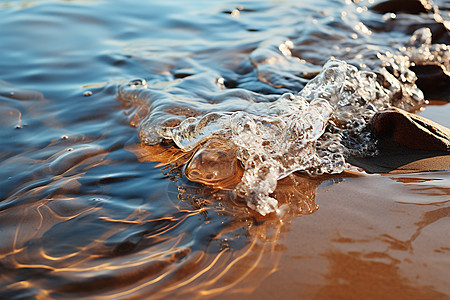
x,y
312,129
284,137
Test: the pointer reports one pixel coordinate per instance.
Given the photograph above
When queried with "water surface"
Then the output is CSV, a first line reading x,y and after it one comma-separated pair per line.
x,y
88,210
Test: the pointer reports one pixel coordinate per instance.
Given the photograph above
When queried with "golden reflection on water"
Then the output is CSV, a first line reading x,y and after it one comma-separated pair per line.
x,y
61,239
259,258
79,219
159,257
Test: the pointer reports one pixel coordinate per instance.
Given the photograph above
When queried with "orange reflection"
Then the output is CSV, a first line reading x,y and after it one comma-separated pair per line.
x,y
361,276
206,243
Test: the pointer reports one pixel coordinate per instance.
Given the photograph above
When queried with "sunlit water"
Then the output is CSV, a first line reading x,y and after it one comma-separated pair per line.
x,y
141,145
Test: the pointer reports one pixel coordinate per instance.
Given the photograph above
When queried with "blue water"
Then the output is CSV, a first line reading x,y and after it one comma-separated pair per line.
x,y
86,211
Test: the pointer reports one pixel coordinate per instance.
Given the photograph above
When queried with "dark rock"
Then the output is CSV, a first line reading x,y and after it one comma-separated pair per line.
x,y
402,6
433,82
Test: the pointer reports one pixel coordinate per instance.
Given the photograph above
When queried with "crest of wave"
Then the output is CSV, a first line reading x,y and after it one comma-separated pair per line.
x,y
312,131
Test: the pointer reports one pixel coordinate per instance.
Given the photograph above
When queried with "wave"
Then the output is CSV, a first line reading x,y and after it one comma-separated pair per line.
x,y
314,130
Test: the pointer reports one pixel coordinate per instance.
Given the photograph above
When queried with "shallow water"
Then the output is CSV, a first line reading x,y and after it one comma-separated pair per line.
x,y
88,211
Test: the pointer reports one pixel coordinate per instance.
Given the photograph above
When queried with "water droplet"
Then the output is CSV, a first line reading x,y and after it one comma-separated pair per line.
x,y
87,93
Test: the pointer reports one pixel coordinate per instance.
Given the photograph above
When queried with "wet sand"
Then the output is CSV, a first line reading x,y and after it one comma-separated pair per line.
x,y
372,237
